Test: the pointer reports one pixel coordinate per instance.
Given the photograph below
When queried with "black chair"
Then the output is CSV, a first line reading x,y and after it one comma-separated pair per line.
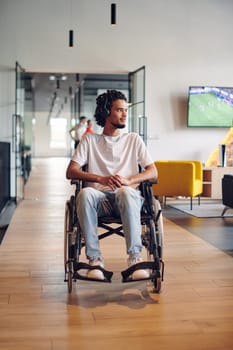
x,y
227,193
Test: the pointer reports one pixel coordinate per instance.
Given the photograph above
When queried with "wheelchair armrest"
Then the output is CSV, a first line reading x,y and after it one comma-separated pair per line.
x,y
147,193
150,182
78,184
74,182
145,185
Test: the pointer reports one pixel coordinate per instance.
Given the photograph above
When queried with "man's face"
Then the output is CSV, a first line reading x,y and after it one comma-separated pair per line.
x,y
118,114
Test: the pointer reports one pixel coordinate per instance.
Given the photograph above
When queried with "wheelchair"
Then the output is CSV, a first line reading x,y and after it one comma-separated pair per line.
x,y
151,235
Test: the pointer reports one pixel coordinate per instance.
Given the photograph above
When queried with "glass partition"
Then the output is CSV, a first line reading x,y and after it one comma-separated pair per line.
x,y
18,132
137,118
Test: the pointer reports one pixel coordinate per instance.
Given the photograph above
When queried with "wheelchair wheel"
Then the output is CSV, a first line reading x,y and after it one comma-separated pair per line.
x,y
157,284
154,254
67,229
159,226
70,281
69,243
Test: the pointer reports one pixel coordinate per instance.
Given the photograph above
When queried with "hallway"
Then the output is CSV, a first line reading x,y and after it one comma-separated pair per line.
x,y
193,311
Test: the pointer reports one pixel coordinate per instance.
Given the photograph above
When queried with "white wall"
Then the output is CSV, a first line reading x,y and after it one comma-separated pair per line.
x,y
181,43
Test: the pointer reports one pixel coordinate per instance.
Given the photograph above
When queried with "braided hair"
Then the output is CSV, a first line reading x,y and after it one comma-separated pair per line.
x,y
104,104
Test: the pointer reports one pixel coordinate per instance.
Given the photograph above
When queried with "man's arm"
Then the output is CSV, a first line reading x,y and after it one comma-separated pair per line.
x,y
150,173
71,132
75,172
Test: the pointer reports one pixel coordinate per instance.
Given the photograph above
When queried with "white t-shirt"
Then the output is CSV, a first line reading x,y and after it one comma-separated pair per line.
x,y
78,131
111,155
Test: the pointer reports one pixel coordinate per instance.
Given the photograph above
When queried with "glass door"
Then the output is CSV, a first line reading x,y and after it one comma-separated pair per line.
x,y
18,132
137,118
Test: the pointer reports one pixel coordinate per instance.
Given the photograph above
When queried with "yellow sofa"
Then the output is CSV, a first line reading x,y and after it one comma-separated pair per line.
x,y
179,178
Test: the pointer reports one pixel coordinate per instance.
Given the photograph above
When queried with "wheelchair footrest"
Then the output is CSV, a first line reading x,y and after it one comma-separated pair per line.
x,y
145,265
83,266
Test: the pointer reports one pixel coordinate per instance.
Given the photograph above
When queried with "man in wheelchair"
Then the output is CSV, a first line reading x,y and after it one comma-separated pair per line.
x,y
111,181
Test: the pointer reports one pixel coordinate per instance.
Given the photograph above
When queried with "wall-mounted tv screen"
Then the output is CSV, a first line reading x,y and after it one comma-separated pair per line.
x,y
210,106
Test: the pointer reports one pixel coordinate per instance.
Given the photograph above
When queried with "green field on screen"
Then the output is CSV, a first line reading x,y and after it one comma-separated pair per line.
x,y
207,109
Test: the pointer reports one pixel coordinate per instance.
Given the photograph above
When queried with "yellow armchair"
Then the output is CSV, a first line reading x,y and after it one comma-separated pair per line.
x,y
179,178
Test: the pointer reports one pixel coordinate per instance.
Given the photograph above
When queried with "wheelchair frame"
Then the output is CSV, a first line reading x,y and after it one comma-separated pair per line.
x,y
152,240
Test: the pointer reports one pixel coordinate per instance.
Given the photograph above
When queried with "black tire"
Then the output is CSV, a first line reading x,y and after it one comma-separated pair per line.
x,y
159,227
154,252
157,284
70,281
152,239
67,223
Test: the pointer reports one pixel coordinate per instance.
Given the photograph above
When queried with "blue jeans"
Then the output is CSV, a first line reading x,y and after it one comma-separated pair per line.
x,y
125,203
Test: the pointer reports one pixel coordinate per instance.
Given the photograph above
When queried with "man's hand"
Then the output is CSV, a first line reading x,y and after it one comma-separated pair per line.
x,y
113,181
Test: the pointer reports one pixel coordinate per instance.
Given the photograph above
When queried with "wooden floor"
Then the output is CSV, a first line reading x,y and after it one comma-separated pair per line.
x,y
194,310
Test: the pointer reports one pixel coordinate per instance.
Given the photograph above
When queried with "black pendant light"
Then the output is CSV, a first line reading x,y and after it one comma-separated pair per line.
x,y
113,14
71,38
71,32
